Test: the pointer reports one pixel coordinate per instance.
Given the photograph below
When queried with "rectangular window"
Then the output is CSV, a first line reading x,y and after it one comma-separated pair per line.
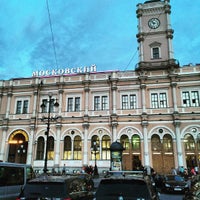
x,y
128,101
154,100
190,98
25,107
104,102
44,108
77,104
100,103
159,100
97,103
22,107
124,102
155,53
163,100
70,105
132,101
195,98
73,104
19,107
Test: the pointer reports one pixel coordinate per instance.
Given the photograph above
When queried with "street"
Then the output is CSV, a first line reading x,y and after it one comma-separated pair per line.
x,y
171,197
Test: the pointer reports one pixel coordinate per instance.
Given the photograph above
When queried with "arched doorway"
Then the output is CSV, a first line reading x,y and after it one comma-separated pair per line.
x,y
18,145
162,153
192,150
132,152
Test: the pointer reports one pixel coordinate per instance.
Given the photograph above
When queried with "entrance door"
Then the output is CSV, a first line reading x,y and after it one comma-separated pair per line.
x,y
18,146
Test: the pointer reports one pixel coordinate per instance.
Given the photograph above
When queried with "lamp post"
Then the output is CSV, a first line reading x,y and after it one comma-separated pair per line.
x,y
21,150
95,149
50,103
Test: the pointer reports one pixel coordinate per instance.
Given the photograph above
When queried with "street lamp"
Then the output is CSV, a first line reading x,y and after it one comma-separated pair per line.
x,y
21,150
50,103
94,150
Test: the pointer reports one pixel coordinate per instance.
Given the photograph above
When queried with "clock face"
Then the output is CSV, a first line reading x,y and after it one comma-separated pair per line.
x,y
154,23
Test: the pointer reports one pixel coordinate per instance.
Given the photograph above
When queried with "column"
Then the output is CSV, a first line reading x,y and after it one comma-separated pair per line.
x,y
60,92
8,104
143,96
30,153
57,150
85,144
179,143
35,103
86,84
146,145
114,131
173,85
3,144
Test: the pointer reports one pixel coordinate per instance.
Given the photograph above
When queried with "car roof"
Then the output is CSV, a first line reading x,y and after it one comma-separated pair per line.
x,y
47,178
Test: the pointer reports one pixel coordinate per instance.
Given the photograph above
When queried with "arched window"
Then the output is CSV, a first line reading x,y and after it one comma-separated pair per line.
x,y
67,148
50,151
156,145
105,143
189,143
40,149
125,142
167,143
95,147
135,141
77,148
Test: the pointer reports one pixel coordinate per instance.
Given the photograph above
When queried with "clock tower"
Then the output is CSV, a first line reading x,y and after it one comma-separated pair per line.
x,y
155,36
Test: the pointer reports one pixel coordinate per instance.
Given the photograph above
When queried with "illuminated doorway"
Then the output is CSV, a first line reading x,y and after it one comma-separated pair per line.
x,y
18,145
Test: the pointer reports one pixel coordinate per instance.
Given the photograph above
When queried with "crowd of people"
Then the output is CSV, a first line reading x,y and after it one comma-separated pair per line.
x,y
185,172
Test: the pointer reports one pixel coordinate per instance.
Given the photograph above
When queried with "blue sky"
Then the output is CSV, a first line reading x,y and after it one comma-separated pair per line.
x,y
86,32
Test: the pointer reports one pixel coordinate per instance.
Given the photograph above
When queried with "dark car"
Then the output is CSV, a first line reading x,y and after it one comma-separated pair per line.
x,y
174,183
56,187
126,187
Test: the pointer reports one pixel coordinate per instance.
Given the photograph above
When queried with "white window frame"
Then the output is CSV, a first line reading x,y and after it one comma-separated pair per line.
x,y
73,97
159,102
22,106
102,104
153,46
128,94
190,102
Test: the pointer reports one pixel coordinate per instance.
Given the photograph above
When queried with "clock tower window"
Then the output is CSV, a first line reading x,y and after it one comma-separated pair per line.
x,y
155,53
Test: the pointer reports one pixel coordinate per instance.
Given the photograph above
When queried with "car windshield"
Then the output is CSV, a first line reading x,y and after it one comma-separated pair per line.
x,y
132,189
174,178
43,189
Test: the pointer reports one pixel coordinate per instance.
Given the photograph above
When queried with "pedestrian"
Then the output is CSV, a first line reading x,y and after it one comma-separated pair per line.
x,y
196,169
64,170
173,171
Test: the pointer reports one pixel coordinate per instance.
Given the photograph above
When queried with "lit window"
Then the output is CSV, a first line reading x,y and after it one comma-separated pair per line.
x,y
105,147
50,152
77,148
135,143
67,148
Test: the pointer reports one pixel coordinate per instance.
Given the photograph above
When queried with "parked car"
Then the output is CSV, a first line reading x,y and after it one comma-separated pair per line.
x,y
174,183
58,187
129,187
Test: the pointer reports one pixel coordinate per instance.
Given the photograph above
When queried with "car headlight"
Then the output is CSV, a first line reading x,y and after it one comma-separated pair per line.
x,y
186,186
167,185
